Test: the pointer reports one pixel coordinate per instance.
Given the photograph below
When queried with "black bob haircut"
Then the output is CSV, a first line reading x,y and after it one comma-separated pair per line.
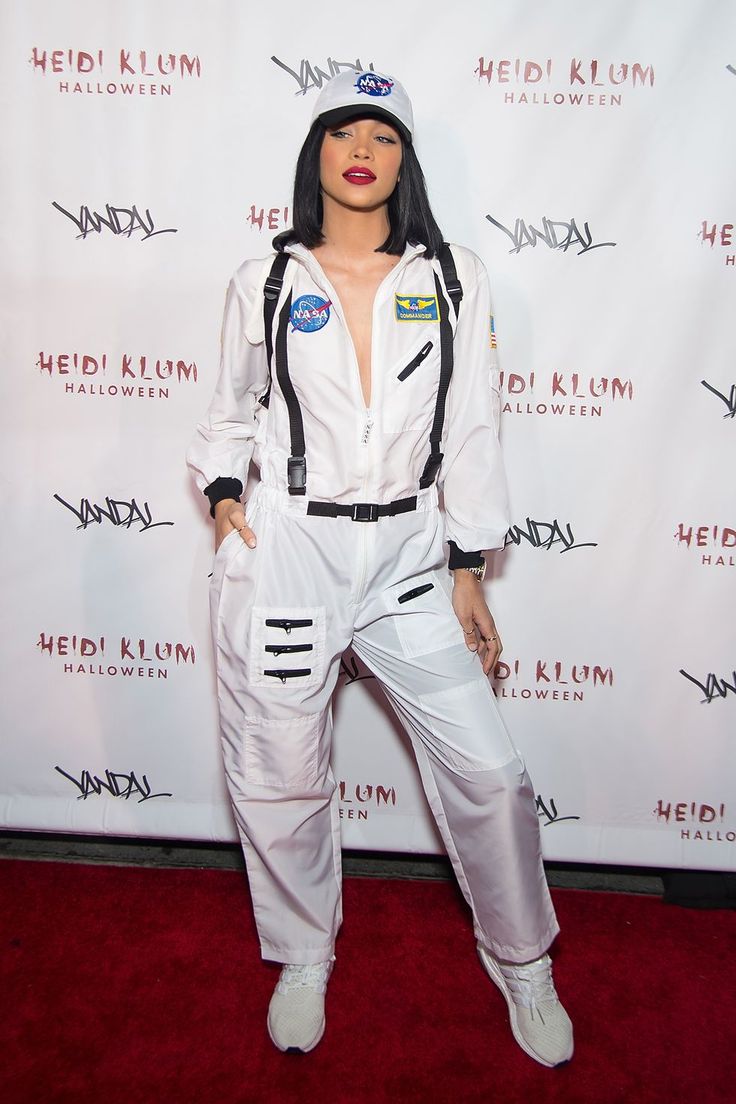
x,y
410,215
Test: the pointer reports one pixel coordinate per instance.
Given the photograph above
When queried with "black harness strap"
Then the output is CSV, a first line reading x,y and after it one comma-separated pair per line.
x,y
447,361
271,292
434,460
296,465
449,275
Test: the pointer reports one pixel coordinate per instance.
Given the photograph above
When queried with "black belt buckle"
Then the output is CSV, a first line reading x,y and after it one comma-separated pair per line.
x,y
365,511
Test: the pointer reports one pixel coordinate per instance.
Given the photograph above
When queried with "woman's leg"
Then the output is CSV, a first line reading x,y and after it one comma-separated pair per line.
x,y
473,775
278,649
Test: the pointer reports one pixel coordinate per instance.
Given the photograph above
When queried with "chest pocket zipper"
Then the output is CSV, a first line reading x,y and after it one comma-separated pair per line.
x,y
421,355
287,649
415,593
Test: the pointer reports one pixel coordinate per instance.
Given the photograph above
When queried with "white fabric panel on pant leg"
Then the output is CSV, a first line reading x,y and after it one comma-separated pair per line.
x,y
473,776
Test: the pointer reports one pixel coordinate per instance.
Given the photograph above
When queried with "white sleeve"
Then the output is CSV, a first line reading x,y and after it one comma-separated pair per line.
x,y
223,441
475,491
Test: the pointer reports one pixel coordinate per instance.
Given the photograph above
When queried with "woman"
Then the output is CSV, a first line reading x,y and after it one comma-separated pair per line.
x,y
356,372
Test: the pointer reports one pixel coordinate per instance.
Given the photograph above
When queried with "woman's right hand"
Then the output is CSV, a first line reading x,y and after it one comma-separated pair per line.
x,y
230,515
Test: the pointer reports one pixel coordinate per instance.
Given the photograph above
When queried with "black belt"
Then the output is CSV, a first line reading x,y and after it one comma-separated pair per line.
x,y
363,511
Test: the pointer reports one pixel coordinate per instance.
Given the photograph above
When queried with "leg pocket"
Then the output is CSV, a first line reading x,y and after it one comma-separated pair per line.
x,y
288,646
282,754
423,615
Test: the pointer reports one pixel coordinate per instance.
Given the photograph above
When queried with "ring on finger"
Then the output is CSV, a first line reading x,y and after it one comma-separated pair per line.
x,y
469,632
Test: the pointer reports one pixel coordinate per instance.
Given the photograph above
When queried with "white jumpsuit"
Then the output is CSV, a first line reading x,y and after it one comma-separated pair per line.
x,y
283,613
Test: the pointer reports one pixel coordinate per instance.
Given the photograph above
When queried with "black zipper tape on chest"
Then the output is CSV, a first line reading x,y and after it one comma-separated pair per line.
x,y
284,673
415,592
421,355
288,623
287,649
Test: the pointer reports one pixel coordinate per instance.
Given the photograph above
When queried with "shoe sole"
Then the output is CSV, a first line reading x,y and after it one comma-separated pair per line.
x,y
498,979
293,1049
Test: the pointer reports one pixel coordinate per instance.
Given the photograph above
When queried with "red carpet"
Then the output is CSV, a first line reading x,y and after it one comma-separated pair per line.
x,y
128,986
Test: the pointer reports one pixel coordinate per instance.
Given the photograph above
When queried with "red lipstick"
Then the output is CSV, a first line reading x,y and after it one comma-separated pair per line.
x,y
357,175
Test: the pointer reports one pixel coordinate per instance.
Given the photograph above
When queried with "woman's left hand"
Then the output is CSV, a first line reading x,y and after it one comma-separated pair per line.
x,y
476,622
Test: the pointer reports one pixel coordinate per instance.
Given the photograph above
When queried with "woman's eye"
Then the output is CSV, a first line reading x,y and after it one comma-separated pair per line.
x,y
386,138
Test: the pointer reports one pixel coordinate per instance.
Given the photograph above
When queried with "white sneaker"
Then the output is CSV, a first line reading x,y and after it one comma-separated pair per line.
x,y
296,1014
540,1024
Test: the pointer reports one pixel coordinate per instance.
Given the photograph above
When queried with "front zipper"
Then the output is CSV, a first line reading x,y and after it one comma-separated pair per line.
x,y
367,428
421,355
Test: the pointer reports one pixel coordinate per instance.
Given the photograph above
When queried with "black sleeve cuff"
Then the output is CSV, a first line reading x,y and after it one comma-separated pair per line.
x,y
223,488
458,558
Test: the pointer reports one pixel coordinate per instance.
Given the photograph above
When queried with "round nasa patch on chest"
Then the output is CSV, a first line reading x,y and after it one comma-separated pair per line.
x,y
309,313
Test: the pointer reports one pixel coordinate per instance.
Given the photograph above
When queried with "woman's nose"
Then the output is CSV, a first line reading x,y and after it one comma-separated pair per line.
x,y
361,152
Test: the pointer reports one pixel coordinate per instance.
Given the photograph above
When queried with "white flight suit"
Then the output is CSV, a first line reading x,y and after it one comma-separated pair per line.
x,y
283,613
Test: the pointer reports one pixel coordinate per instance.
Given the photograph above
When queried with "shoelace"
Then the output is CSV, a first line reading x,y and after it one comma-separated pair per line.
x,y
314,976
531,982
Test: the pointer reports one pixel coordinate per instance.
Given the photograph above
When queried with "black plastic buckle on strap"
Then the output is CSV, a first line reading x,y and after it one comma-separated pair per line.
x,y
431,468
365,511
272,287
296,470
454,289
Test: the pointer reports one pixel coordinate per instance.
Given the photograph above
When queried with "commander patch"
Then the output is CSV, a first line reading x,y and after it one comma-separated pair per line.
x,y
416,308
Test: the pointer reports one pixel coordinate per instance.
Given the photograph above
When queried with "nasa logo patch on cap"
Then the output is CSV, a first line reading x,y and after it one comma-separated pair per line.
x,y
373,84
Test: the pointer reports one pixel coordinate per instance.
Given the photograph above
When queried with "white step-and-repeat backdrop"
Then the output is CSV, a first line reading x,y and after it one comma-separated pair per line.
x,y
586,152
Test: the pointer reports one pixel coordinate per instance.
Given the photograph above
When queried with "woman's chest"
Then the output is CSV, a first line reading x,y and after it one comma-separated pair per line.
x,y
341,338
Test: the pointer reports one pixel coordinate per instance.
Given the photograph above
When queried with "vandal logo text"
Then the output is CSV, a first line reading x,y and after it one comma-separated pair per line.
x,y
117,511
311,76
115,784
546,534
555,234
120,221
712,687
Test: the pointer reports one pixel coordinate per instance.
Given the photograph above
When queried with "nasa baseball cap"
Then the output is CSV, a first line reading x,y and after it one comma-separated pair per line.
x,y
376,95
